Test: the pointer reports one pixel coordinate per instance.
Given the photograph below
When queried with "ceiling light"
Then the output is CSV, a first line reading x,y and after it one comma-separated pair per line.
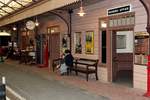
x,y
36,22
103,24
14,28
81,12
4,33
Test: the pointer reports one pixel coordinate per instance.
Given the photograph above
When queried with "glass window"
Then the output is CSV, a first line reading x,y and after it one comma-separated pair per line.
x,y
121,41
121,21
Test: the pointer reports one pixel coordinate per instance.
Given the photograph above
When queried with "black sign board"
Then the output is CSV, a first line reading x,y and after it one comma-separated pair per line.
x,y
119,10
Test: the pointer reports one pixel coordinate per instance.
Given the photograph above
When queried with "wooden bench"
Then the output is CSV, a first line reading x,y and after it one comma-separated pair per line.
x,y
87,66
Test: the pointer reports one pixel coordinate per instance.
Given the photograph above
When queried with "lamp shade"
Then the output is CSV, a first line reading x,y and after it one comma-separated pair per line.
x,y
81,12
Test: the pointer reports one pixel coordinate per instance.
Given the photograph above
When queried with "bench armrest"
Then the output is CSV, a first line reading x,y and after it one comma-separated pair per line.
x,y
57,61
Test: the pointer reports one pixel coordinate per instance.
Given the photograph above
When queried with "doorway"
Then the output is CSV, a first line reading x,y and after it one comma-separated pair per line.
x,y
122,57
103,49
54,47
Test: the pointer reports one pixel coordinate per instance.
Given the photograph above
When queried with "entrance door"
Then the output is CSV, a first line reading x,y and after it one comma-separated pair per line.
x,y
54,46
122,55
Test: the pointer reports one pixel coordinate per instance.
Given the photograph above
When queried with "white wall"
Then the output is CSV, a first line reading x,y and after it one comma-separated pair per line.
x,y
140,77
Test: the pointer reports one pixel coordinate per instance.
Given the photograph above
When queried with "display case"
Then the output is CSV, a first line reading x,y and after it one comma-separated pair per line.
x,y
141,47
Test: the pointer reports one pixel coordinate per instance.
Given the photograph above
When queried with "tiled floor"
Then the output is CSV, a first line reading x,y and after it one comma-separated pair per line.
x,y
109,90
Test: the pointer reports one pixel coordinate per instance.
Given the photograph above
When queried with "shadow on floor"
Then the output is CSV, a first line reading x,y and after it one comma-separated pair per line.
x,y
125,77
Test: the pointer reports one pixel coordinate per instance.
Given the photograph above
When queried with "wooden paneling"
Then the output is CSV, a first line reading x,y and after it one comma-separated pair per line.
x,y
125,61
98,10
146,3
90,22
140,77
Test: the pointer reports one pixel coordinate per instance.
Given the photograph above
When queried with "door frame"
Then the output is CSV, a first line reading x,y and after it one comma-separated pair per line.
x,y
109,46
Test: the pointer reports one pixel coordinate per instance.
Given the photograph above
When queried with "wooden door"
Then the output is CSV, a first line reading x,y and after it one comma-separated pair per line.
x,y
114,57
54,47
122,52
23,42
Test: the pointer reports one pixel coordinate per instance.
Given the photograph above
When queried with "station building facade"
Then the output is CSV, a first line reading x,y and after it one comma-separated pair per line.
x,y
115,32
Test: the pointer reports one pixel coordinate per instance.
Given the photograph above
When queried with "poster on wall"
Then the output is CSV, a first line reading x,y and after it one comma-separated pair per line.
x,y
77,41
89,46
64,42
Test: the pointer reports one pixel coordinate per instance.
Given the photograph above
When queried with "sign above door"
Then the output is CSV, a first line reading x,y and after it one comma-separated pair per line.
x,y
119,10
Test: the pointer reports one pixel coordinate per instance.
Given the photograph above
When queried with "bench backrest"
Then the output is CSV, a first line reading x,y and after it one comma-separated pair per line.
x,y
57,61
95,61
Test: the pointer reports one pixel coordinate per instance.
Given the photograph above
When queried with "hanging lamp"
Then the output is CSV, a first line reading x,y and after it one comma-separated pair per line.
x,y
81,11
14,28
36,22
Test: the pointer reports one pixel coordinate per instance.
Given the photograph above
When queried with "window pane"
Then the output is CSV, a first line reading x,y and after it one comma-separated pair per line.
x,y
121,41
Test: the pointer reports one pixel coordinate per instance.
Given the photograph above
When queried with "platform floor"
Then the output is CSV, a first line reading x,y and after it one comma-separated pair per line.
x,y
41,84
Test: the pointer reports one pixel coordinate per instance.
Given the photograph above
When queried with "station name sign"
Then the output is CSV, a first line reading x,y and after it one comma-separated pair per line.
x,y
119,10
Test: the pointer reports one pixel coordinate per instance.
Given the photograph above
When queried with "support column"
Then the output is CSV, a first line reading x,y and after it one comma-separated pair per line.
x,y
146,4
148,29
70,28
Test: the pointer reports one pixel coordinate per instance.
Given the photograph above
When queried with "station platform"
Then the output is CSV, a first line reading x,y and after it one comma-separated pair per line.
x,y
35,83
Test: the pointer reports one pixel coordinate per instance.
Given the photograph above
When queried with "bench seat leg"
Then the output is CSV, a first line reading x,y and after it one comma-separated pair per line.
x,y
96,76
76,72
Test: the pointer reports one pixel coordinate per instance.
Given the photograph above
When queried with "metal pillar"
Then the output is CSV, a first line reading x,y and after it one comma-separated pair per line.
x,y
70,28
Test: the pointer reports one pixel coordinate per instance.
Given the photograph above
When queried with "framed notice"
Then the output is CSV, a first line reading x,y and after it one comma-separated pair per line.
x,y
77,42
89,45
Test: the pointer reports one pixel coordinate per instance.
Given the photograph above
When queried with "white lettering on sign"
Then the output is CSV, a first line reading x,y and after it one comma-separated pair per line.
x,y
119,10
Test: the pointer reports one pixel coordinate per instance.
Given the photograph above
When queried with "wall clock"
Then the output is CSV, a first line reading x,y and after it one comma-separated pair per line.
x,y
30,25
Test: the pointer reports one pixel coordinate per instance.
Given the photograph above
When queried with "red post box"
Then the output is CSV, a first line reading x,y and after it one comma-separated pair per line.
x,y
147,94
